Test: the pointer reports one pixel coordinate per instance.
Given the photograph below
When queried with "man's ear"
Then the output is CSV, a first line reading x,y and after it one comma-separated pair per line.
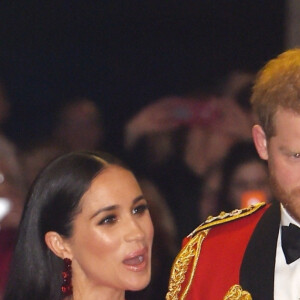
x,y
260,141
57,245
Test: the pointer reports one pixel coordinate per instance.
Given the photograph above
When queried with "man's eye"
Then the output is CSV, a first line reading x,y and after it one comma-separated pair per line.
x,y
296,155
140,209
111,219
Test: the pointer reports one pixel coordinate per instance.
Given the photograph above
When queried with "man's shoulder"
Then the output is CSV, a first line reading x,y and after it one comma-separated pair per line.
x,y
229,217
221,240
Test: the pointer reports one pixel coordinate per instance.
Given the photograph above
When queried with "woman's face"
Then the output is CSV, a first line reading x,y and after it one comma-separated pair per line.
x,y
112,235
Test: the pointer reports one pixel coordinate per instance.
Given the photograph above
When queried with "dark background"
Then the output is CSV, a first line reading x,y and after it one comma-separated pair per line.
x,y
124,54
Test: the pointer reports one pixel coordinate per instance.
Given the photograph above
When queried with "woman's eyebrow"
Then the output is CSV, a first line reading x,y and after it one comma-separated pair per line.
x,y
139,198
107,208
113,207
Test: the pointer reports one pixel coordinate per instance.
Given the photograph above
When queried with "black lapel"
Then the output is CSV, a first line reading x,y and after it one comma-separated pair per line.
x,y
257,269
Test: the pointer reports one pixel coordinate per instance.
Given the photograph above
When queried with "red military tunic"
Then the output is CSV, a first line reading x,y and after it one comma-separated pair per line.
x,y
208,265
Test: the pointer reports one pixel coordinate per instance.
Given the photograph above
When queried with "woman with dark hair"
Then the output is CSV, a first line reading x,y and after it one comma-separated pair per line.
x,y
85,233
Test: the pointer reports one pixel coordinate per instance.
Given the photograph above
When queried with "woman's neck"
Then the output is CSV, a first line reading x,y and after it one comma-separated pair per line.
x,y
93,295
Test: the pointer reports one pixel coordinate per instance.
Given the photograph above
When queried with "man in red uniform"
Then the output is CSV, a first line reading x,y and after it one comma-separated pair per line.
x,y
253,253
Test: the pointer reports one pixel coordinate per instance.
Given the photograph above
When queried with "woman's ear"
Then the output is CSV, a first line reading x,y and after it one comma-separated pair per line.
x,y
57,245
260,141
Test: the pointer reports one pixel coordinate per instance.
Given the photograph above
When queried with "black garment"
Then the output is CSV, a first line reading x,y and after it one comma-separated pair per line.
x,y
257,269
290,237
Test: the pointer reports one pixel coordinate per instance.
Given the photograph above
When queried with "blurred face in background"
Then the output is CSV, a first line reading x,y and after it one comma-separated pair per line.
x,y
208,202
250,176
80,126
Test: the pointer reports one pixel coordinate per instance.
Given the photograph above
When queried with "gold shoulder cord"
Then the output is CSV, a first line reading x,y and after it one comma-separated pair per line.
x,y
236,293
180,266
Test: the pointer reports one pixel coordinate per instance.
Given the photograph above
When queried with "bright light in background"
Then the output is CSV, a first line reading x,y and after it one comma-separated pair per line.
x,y
5,206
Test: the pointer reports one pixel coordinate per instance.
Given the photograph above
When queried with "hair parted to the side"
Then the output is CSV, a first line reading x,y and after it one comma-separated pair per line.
x,y
277,85
51,205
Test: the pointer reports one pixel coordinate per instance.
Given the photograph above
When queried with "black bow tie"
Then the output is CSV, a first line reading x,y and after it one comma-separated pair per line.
x,y
290,241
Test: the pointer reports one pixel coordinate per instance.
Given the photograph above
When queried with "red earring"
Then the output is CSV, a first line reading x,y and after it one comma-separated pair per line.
x,y
66,287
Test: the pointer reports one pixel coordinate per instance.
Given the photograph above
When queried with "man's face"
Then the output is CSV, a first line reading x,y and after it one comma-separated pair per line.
x,y
283,154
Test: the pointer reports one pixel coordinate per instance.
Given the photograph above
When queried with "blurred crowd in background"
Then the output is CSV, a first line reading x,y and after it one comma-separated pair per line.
x,y
192,153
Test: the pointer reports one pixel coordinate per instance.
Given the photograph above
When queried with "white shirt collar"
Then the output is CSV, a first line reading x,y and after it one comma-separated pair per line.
x,y
286,218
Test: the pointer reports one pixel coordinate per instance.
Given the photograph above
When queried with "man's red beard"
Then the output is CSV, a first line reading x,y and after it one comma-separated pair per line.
x,y
281,195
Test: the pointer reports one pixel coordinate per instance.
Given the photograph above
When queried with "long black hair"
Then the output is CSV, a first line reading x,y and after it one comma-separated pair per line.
x,y
51,205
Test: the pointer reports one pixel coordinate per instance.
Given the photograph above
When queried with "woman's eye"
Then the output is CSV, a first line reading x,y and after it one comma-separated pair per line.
x,y
140,209
296,155
111,219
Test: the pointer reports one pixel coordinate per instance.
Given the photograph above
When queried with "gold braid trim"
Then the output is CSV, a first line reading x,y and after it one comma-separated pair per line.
x,y
236,293
189,251
192,250
224,217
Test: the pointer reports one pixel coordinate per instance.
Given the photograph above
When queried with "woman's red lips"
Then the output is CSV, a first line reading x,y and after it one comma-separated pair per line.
x,y
134,261
137,260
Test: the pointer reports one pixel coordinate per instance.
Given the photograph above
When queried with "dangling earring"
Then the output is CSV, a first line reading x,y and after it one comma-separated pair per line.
x,y
66,286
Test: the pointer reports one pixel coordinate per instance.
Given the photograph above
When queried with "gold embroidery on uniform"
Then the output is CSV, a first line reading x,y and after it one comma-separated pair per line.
x,y
180,266
236,293
224,217
192,249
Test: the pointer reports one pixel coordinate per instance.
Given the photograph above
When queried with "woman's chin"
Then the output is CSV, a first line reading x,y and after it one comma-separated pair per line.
x,y
138,285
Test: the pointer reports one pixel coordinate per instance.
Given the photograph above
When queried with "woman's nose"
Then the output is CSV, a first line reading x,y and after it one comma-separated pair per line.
x,y
133,230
